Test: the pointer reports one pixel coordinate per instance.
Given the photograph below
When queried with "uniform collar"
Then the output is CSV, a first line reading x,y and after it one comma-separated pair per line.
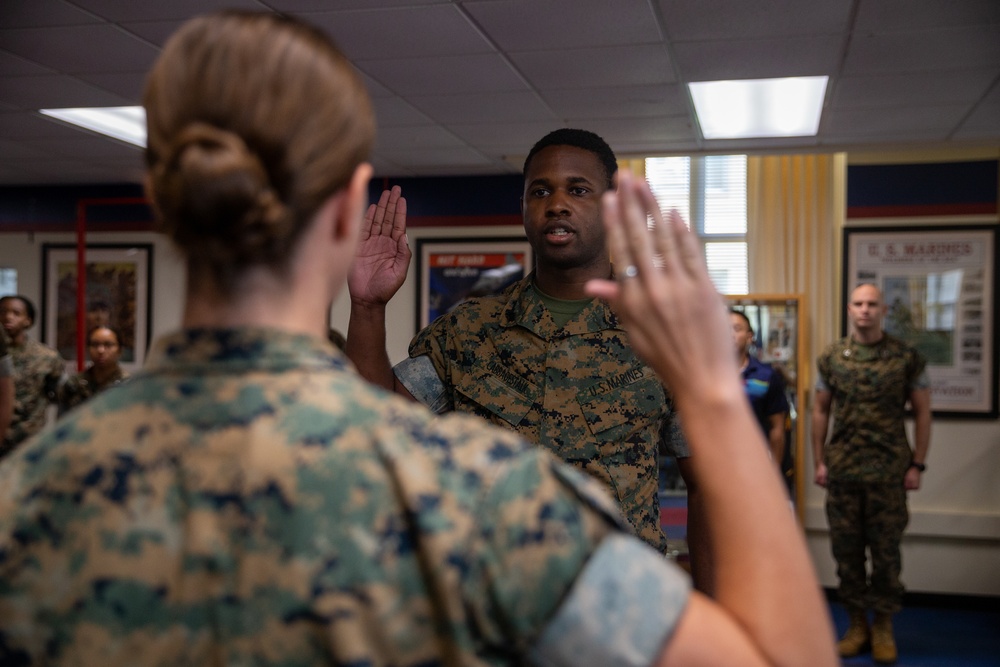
x,y
243,348
524,307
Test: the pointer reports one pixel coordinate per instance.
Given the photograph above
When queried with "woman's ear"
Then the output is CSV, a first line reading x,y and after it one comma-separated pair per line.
x,y
147,190
354,203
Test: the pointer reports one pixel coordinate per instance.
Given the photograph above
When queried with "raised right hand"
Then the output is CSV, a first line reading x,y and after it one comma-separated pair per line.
x,y
674,316
383,254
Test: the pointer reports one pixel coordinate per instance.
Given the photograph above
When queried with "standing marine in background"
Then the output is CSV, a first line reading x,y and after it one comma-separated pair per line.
x,y
6,385
38,372
105,349
868,467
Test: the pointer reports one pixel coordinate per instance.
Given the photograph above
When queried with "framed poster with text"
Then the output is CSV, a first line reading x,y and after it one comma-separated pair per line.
x,y
452,270
939,286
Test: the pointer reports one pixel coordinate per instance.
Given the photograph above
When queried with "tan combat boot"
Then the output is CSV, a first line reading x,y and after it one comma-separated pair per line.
x,y
883,643
857,638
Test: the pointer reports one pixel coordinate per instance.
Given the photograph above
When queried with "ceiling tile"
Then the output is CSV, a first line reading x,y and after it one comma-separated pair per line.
x,y
936,50
634,130
619,102
914,88
406,32
154,32
416,138
11,65
54,91
454,160
867,122
514,138
394,111
525,25
695,20
905,73
43,13
146,10
758,59
985,116
485,108
25,125
129,85
93,146
19,151
591,68
308,6
444,75
77,49
883,16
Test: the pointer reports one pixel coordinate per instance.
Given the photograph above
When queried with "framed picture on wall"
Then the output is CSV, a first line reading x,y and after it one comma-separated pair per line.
x,y
118,294
452,270
939,285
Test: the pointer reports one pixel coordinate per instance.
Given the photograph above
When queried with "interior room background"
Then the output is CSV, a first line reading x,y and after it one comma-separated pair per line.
x,y
798,206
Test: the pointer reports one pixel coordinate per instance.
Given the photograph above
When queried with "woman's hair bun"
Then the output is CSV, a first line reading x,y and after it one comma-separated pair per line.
x,y
217,200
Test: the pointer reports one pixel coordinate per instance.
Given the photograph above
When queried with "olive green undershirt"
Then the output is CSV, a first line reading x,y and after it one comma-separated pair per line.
x,y
562,311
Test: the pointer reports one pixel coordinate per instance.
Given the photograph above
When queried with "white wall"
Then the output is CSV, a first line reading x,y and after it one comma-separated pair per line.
x,y
952,544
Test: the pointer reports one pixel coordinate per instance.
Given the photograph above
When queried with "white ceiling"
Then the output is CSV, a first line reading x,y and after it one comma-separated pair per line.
x,y
465,87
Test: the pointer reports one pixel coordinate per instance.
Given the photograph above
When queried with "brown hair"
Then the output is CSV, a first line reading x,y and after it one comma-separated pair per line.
x,y
254,120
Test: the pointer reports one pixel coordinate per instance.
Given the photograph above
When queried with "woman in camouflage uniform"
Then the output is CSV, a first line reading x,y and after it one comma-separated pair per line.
x,y
105,349
38,373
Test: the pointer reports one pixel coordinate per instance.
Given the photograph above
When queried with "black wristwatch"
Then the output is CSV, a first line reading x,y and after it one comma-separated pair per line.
x,y
919,466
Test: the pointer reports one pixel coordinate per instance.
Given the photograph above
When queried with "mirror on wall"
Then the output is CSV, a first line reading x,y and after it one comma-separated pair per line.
x,y
778,340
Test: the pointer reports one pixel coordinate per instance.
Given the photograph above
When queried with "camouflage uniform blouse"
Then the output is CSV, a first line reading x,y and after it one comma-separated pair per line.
x,y
38,371
579,390
246,499
84,385
870,385
6,365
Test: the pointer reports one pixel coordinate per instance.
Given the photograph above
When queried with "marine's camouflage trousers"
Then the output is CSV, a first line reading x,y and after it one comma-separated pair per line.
x,y
873,516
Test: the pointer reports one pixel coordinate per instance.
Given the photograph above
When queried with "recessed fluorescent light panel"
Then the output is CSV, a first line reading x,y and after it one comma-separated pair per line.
x,y
125,123
756,108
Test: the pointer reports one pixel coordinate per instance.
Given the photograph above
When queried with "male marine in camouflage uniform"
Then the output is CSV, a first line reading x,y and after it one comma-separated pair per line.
x,y
249,497
542,358
577,389
38,372
6,385
868,465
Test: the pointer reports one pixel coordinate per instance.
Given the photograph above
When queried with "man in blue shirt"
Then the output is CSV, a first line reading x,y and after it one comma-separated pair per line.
x,y
764,385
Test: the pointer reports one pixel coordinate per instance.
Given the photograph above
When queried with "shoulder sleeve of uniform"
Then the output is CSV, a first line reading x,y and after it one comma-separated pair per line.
x,y
421,379
6,366
425,372
537,526
621,610
823,367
